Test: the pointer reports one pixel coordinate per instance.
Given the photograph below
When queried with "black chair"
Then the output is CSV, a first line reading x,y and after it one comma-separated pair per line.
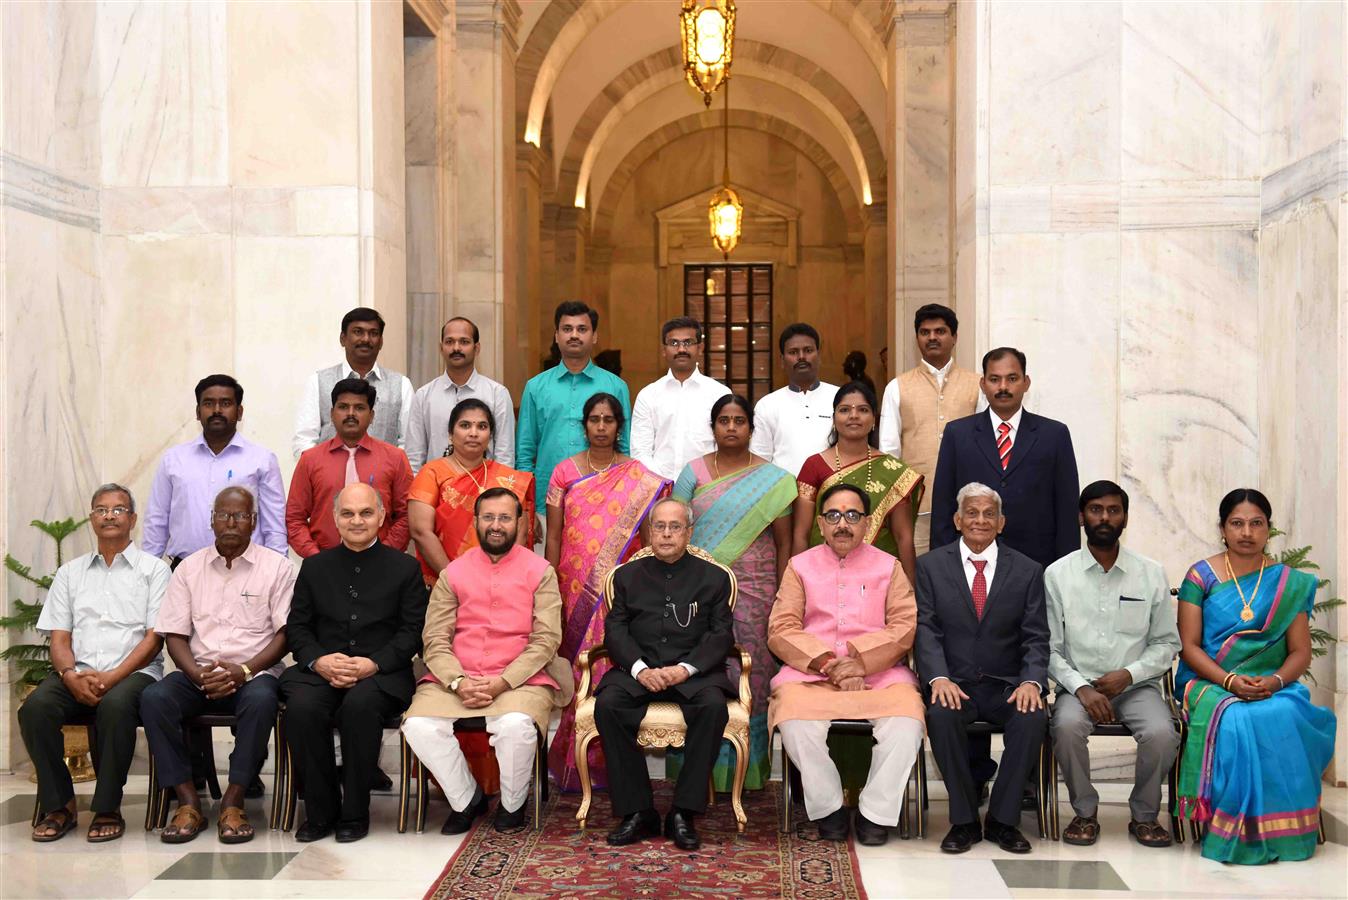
x,y
197,733
1118,729
289,783
410,764
915,793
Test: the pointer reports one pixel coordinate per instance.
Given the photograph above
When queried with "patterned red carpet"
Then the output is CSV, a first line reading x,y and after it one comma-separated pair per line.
x,y
561,861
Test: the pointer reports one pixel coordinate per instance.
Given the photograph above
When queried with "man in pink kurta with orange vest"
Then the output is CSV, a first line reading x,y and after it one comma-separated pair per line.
x,y
493,627
843,622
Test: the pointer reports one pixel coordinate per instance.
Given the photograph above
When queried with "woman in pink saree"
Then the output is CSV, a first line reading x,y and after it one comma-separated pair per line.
x,y
597,503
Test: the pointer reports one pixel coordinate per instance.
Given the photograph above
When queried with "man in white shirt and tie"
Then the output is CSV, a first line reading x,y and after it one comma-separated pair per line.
x,y
671,419
793,423
919,403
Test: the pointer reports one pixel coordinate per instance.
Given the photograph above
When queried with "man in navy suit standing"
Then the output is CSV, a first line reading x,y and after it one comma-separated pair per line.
x,y
1027,459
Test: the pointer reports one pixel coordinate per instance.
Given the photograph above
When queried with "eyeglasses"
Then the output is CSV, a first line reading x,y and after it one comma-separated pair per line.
x,y
110,512
493,519
834,516
682,343
668,527
233,518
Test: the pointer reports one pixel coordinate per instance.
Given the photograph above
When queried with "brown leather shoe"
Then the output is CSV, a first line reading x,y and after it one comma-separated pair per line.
x,y
1149,834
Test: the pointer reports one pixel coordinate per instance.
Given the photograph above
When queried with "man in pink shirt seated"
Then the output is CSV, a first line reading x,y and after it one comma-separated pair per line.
x,y
844,620
223,620
493,627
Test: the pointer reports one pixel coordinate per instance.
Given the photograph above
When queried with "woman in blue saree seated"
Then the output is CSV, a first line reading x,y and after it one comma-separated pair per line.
x,y
1257,746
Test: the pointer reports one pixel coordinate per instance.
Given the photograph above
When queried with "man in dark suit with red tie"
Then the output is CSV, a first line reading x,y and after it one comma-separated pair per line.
x,y
1027,459
982,655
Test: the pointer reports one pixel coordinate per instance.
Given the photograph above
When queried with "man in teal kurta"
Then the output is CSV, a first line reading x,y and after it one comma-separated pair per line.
x,y
549,427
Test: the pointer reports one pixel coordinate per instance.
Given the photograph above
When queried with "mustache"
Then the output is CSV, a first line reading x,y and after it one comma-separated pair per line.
x,y
1003,395
351,420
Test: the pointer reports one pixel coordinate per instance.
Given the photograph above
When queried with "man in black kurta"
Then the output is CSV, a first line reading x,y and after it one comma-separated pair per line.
x,y
668,634
355,624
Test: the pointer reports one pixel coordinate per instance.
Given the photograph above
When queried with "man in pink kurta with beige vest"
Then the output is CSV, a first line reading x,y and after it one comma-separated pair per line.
x,y
918,404
493,627
843,622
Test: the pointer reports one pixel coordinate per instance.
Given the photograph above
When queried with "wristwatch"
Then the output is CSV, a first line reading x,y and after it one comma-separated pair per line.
x,y
247,672
454,685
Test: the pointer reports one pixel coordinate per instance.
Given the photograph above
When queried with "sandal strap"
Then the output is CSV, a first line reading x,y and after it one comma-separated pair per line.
x,y
186,816
58,818
233,818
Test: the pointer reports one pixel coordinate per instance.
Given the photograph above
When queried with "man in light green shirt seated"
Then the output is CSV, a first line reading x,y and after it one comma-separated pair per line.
x,y
1112,639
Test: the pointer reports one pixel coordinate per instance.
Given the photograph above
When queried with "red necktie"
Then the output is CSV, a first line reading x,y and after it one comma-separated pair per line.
x,y
980,589
1004,444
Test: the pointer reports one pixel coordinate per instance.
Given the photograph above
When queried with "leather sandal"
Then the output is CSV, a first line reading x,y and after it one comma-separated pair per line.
x,y
62,819
103,820
187,823
1083,831
234,819
1149,834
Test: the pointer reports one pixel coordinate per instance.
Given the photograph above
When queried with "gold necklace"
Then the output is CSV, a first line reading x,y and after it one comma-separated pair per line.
x,y
716,464
1246,614
481,485
837,462
590,462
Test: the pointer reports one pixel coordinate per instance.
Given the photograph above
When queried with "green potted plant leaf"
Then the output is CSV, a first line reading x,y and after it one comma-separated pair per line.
x,y
34,660
1299,558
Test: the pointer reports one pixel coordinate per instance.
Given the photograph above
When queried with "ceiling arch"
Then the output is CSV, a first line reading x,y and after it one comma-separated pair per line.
x,y
756,120
575,48
674,101
752,59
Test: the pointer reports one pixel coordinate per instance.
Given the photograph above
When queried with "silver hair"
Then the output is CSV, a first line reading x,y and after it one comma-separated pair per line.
x,y
113,487
974,489
337,500
236,489
687,510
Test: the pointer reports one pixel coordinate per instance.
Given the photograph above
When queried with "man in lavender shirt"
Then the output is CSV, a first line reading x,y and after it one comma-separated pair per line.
x,y
178,517
224,621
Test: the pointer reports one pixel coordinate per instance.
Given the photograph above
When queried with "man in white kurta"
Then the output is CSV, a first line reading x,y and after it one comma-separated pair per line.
x,y
671,418
843,622
793,423
493,627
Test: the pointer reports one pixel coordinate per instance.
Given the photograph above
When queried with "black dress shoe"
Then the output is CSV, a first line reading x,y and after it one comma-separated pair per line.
x,y
255,788
1008,837
635,827
869,833
459,822
679,829
352,830
312,831
960,838
833,827
505,820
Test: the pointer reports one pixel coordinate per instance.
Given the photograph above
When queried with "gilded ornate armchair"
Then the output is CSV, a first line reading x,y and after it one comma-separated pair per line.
x,y
663,725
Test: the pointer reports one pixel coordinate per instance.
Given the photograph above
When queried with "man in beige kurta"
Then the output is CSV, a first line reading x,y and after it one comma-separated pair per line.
x,y
493,627
844,619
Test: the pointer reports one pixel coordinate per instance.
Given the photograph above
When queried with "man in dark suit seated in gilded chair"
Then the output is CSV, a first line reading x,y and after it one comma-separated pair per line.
x,y
668,633
982,653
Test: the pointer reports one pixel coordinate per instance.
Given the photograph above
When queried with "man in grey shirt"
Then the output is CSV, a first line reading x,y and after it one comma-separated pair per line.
x,y
1112,638
428,422
99,613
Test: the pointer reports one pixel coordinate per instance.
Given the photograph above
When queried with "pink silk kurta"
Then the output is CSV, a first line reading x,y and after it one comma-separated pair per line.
x,y
828,604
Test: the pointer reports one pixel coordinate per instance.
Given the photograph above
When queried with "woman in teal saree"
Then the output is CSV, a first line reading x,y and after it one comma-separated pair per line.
x,y
1256,745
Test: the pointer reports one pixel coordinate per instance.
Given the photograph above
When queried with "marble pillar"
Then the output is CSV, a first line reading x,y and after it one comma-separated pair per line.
x,y
484,176
523,315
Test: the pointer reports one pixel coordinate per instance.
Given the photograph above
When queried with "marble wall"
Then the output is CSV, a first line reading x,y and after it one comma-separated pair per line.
x,y
1164,185
187,188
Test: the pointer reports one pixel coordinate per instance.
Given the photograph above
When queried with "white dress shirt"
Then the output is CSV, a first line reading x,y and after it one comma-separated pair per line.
x,y
427,432
891,420
308,424
967,557
671,421
791,425
1014,422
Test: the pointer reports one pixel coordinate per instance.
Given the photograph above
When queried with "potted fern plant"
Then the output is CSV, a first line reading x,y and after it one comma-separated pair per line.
x,y
34,660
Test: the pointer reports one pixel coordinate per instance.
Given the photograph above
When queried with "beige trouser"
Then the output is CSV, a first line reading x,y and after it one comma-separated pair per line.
x,y
512,737
922,534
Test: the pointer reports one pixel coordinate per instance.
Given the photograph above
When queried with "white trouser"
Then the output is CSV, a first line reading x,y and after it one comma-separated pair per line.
x,y
897,741
512,736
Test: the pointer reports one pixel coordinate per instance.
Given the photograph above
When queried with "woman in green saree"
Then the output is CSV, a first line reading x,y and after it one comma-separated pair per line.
x,y
1256,745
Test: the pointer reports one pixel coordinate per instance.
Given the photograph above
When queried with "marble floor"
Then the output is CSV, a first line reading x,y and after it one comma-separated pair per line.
x,y
390,865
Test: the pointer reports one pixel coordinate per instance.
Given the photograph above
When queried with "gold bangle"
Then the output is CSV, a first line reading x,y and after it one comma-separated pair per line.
x,y
1226,682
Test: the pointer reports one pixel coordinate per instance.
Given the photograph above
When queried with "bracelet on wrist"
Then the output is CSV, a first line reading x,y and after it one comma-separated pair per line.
x,y
1281,684
1226,682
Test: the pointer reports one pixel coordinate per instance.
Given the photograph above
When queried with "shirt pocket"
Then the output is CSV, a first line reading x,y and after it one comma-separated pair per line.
x,y
249,613
1134,615
118,608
